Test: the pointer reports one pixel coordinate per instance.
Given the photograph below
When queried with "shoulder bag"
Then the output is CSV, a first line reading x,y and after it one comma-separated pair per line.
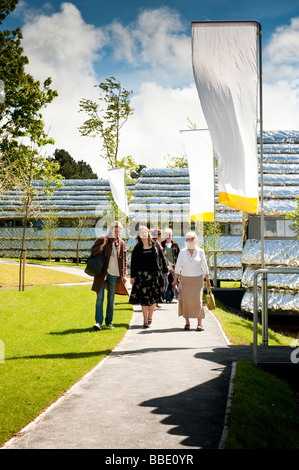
x,y
95,264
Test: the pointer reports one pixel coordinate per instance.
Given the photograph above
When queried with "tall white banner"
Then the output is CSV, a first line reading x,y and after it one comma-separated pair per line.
x,y
224,57
199,151
117,180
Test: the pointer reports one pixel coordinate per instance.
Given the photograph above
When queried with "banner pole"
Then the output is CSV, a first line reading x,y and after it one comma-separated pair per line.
x,y
215,280
261,148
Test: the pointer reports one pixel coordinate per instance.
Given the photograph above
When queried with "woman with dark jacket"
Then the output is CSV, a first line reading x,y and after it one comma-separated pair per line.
x,y
171,251
147,264
114,273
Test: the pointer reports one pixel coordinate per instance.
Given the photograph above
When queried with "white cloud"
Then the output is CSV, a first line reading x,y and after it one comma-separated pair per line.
x,y
281,78
282,52
283,46
156,53
281,105
155,40
65,48
153,132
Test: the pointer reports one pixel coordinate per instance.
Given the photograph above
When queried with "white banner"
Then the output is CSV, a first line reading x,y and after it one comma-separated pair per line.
x,y
199,150
224,57
117,179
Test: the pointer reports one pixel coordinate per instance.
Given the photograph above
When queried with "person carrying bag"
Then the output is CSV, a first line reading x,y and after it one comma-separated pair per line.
x,y
113,273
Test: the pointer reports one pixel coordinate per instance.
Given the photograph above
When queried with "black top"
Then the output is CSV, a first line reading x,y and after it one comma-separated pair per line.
x,y
151,259
148,260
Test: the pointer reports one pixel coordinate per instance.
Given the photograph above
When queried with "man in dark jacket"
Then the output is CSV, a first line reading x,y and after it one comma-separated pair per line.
x,y
171,251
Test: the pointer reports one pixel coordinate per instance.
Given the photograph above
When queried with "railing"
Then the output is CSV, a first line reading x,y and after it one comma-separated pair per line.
x,y
264,273
215,261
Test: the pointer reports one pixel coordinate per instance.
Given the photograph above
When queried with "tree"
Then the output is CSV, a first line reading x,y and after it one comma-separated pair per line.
x,y
22,130
294,216
69,168
20,108
176,162
107,118
179,162
50,225
33,166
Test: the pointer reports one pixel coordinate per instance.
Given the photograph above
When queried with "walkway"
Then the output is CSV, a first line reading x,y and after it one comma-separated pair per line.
x,y
161,388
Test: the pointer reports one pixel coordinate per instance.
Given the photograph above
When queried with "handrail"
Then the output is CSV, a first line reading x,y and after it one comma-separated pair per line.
x,y
264,272
215,261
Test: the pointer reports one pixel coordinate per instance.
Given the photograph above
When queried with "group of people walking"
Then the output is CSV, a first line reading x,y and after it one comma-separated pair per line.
x,y
158,270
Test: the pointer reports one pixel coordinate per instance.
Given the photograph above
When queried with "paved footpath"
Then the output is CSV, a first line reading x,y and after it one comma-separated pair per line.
x,y
160,388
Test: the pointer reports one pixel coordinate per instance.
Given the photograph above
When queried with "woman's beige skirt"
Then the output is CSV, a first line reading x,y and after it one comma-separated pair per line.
x,y
190,297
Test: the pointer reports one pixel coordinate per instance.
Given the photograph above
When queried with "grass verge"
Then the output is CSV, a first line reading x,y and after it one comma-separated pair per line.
x,y
263,412
49,344
34,275
239,330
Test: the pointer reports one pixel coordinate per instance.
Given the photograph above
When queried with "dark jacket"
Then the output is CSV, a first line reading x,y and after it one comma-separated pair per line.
x,y
122,263
136,259
175,249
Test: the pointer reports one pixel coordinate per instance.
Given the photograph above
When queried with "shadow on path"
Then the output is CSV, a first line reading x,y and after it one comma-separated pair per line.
x,y
197,414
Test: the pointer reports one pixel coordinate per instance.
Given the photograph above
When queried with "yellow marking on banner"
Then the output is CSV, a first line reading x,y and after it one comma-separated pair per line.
x,y
241,203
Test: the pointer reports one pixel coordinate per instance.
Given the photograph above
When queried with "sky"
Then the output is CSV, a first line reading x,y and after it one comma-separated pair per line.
x,y
146,45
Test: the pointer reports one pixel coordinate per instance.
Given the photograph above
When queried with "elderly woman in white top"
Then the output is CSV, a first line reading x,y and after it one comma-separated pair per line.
x,y
192,266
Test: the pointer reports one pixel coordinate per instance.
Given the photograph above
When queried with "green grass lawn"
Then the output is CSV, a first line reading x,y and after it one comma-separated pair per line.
x,y
34,275
263,414
49,344
239,330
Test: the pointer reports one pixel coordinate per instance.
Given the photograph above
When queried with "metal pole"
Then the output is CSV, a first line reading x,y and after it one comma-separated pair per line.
x,y
264,276
255,316
214,234
286,270
261,148
265,309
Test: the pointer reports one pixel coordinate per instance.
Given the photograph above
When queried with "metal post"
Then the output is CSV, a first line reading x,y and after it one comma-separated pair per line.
x,y
255,316
214,230
264,275
264,309
261,148
264,272
215,278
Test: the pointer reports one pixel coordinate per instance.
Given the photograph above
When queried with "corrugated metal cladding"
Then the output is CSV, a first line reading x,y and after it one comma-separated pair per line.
x,y
163,195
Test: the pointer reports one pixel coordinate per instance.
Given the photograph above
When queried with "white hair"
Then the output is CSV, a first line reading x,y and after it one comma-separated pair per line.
x,y
191,234
168,230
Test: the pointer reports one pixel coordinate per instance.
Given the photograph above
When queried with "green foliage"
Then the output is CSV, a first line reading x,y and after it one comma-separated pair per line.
x,y
107,118
24,97
7,7
176,162
69,168
207,229
179,162
294,215
50,225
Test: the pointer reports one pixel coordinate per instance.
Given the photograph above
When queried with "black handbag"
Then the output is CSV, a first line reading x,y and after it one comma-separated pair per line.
x,y
95,264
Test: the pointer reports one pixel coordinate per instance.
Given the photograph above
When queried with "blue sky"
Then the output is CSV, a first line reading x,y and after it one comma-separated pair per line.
x,y
146,45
